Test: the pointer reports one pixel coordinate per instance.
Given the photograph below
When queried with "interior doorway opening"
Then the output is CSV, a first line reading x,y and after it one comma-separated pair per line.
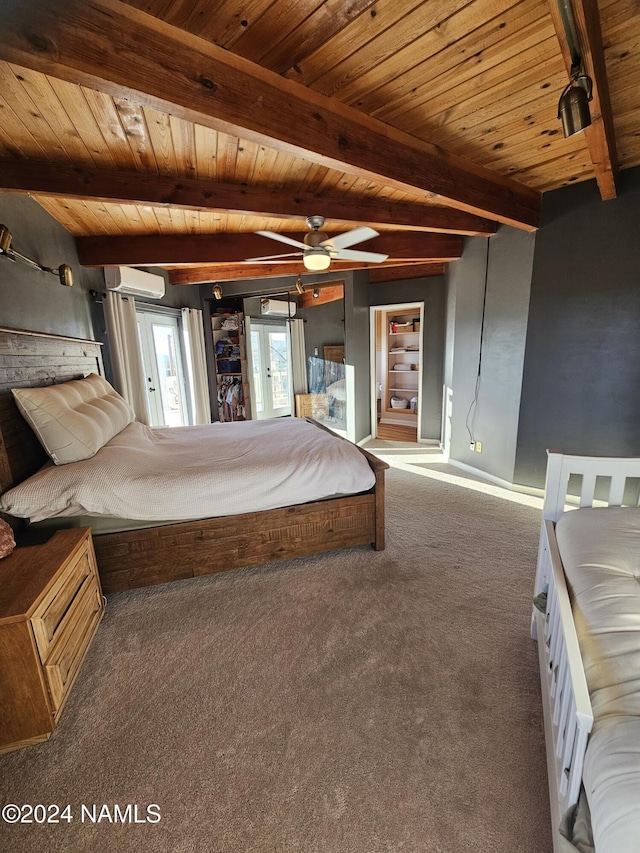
x,y
396,371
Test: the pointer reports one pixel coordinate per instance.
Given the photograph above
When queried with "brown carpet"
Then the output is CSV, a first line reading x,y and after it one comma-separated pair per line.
x,y
355,702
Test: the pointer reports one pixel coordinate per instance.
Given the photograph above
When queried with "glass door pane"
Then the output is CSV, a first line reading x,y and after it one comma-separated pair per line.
x,y
256,374
270,370
163,365
170,386
279,372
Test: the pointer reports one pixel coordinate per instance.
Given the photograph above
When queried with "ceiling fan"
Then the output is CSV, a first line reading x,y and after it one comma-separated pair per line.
x,y
318,248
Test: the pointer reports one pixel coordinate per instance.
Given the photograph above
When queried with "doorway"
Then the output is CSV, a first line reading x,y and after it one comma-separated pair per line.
x,y
270,373
396,347
161,347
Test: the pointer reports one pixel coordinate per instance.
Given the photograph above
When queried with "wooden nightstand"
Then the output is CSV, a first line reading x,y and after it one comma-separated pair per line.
x,y
50,606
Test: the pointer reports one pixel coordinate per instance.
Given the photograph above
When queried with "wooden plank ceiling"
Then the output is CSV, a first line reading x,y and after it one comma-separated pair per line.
x,y
144,127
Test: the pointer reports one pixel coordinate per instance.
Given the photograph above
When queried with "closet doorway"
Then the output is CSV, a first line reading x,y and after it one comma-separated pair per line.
x,y
396,371
270,373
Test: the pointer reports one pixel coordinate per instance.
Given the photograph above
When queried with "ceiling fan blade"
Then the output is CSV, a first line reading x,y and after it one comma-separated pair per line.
x,y
274,257
365,257
350,238
282,238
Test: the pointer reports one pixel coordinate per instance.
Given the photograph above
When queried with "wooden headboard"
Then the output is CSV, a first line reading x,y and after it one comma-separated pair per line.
x,y
29,359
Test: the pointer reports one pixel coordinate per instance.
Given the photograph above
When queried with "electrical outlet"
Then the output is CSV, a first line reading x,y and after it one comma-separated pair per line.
x,y
478,447
472,445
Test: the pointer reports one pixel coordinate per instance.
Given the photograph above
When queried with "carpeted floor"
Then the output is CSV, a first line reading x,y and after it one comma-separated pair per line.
x,y
354,702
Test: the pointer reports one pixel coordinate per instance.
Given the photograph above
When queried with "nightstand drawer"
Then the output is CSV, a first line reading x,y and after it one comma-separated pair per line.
x,y
72,642
50,617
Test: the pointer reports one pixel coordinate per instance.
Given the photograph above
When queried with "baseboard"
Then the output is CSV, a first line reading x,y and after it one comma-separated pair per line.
x,y
364,440
491,478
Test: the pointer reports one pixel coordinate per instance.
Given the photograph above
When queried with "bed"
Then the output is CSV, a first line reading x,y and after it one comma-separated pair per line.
x,y
186,548
587,624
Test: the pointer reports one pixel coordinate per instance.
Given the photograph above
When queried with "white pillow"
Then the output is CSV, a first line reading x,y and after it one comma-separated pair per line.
x,y
75,419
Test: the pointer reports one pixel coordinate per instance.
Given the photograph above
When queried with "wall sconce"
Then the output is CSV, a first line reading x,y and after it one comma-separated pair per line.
x,y
299,286
316,293
64,271
217,292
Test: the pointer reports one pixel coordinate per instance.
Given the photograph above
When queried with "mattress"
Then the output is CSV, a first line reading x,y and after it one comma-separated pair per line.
x,y
600,550
186,473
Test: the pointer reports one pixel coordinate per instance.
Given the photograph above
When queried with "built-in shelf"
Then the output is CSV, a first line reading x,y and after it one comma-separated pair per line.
x,y
237,404
404,356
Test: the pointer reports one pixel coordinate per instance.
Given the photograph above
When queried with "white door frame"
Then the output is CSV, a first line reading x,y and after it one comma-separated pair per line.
x,y
146,319
253,324
394,306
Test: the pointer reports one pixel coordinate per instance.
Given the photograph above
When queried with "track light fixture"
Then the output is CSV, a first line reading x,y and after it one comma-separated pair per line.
x,y
299,286
316,293
217,291
64,271
573,107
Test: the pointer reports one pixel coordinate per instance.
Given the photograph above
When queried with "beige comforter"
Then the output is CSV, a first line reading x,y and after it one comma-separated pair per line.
x,y
196,472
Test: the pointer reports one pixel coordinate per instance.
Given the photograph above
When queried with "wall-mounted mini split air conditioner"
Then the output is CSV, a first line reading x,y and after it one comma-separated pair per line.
x,y
277,308
133,282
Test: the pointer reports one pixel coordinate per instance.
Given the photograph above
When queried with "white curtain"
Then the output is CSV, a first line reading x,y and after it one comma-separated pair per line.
x,y
194,341
124,350
298,357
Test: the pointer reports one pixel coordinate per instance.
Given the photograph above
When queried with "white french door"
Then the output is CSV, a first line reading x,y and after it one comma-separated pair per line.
x,y
270,356
164,373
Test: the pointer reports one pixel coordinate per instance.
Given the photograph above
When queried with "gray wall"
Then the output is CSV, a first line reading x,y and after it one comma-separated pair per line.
x,y
431,291
356,354
30,299
324,325
492,418
34,300
582,362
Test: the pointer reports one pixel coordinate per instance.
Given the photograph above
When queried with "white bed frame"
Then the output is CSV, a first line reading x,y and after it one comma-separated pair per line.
x,y
568,717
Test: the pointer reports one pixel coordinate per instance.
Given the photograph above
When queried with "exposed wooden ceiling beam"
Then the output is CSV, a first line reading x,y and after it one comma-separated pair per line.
x,y
326,293
106,185
113,47
600,135
173,249
405,271
241,271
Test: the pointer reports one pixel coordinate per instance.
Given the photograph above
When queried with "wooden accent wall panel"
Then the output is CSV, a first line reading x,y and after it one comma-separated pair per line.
x,y
29,359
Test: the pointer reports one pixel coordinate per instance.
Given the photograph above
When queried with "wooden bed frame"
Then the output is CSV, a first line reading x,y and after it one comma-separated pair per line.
x,y
568,716
188,549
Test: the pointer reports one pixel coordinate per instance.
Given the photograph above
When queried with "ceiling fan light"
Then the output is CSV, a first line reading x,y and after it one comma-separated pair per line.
x,y
573,108
316,260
